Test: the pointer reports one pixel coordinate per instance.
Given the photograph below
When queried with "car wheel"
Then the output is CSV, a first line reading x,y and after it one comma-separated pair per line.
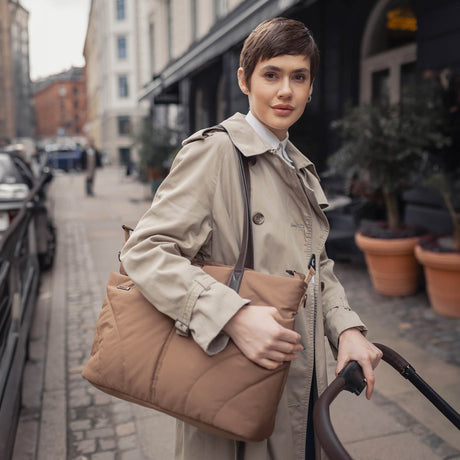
x,y
46,259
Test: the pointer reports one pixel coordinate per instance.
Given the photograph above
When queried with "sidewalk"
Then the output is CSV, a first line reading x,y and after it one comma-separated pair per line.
x,y
64,418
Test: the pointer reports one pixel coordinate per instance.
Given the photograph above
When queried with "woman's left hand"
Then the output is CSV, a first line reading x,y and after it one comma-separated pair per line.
x,y
353,346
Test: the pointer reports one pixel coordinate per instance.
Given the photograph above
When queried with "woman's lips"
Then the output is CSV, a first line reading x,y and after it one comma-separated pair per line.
x,y
283,109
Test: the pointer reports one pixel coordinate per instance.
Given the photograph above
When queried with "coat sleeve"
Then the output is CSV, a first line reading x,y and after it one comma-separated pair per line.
x,y
158,253
337,314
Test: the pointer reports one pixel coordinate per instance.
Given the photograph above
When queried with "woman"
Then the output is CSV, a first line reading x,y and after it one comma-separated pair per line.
x,y
198,211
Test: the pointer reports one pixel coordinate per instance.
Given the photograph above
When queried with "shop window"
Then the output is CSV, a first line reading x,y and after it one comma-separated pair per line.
x,y
389,51
380,86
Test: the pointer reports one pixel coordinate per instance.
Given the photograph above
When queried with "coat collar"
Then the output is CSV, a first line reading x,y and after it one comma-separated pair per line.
x,y
243,136
251,145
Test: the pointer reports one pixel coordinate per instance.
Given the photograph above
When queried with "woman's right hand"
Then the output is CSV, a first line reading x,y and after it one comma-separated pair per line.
x,y
257,332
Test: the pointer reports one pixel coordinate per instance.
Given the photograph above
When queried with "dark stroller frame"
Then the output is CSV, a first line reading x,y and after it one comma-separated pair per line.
x,y
351,379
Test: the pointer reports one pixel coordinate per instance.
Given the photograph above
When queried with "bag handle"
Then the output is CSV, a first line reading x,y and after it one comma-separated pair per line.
x,y
246,256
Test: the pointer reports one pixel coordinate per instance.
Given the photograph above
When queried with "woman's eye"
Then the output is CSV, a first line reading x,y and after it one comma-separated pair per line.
x,y
270,75
300,77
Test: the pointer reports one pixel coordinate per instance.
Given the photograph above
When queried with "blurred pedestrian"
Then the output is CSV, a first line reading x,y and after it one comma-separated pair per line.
x,y
198,212
90,162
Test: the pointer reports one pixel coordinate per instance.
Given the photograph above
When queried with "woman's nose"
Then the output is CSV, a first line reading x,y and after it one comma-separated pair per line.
x,y
285,87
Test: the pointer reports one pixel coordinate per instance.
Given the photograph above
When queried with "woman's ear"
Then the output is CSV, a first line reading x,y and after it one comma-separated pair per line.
x,y
242,81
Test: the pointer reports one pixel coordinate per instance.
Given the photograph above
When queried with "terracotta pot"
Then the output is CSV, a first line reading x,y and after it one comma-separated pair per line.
x,y
391,264
442,274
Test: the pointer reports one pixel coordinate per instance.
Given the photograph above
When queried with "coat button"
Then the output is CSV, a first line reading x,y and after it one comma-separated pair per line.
x,y
258,218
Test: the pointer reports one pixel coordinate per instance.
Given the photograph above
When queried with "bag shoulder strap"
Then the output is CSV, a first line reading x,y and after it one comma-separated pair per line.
x,y
246,256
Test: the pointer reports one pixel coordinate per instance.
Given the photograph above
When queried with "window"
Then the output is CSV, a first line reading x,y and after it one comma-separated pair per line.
x,y
152,48
62,90
170,29
124,125
121,10
75,104
194,20
121,48
124,155
388,52
220,8
380,86
75,90
122,86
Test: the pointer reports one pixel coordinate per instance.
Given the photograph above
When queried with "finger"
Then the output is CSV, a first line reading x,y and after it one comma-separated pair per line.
x,y
286,347
370,378
269,364
280,357
379,356
287,335
342,361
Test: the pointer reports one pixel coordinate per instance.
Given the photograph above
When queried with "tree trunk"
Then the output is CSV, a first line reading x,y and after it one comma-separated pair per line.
x,y
392,209
455,220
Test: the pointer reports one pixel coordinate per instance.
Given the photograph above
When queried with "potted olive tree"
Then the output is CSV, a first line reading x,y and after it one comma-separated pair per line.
x,y
440,254
385,146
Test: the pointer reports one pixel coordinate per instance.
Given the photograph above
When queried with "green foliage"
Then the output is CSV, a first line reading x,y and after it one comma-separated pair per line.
x,y
388,146
442,168
157,147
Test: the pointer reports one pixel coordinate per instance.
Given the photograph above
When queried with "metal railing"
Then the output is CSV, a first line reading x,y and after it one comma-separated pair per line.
x,y
19,281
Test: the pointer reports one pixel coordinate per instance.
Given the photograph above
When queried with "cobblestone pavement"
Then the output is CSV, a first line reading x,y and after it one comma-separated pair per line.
x,y
65,418
100,427
410,316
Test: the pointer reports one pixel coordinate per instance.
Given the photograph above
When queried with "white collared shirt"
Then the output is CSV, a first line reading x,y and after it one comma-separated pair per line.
x,y
269,137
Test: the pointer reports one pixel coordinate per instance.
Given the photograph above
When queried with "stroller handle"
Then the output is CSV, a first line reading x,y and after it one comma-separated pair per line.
x,y
351,378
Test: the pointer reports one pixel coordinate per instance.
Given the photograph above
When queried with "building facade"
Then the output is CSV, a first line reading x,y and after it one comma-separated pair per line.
x,y
16,114
7,122
60,105
22,86
368,49
118,64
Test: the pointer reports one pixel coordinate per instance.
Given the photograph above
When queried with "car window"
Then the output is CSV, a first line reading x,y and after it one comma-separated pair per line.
x,y
63,152
25,171
9,174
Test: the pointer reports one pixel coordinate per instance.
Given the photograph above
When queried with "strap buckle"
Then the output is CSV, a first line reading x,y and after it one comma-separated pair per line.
x,y
182,328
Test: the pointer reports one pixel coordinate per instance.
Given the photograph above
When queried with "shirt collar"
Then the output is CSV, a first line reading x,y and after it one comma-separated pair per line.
x,y
265,133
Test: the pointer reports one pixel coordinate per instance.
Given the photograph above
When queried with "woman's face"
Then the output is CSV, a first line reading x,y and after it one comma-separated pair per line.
x,y
280,88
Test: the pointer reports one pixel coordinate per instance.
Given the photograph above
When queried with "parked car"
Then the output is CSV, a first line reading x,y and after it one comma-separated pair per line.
x,y
17,179
64,157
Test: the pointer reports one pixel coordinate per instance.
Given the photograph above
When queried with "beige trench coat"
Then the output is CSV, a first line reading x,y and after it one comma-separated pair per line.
x,y
198,211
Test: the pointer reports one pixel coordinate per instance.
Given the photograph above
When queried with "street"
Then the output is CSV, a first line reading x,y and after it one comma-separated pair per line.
x,y
64,417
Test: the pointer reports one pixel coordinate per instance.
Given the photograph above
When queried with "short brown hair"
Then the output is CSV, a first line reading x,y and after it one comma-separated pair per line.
x,y
275,37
